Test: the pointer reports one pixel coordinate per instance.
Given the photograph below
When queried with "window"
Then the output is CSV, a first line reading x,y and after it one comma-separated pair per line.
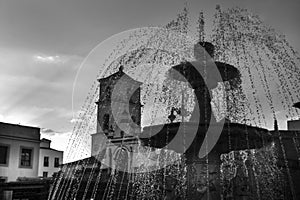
x,y
56,162
26,157
107,93
4,154
133,119
3,179
105,122
121,158
122,134
46,161
45,174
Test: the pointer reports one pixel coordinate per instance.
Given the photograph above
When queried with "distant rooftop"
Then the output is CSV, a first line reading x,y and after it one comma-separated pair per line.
x,y
117,75
44,139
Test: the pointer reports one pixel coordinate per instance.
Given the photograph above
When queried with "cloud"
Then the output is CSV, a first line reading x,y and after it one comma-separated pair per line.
x,y
47,59
77,117
59,140
53,59
48,131
75,120
30,63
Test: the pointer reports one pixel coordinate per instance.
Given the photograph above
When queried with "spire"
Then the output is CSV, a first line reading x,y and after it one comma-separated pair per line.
x,y
201,27
121,68
218,8
275,125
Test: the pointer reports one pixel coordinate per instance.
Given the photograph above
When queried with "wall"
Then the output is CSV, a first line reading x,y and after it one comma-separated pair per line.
x,y
45,143
294,125
98,143
13,171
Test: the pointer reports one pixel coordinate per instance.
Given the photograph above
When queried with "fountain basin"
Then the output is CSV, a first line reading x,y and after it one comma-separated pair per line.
x,y
233,137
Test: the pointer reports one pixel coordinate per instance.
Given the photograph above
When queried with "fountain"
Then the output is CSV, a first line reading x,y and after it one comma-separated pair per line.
x,y
247,161
241,136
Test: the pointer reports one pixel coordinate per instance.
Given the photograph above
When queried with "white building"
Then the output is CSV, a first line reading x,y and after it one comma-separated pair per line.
x,y
19,151
23,154
49,160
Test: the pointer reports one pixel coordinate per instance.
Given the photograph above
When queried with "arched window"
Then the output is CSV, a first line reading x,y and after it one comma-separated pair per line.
x,y
133,119
121,159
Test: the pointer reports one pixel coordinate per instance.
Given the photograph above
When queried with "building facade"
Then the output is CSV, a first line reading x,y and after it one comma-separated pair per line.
x,y
24,155
49,160
19,151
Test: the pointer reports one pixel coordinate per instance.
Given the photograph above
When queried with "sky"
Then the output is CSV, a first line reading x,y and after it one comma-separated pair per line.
x,y
43,43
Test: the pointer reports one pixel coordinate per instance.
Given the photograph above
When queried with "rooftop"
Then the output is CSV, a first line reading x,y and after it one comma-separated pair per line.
x,y
19,131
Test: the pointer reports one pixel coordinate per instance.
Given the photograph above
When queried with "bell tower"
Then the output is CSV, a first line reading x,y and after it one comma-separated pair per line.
x,y
119,107
118,110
